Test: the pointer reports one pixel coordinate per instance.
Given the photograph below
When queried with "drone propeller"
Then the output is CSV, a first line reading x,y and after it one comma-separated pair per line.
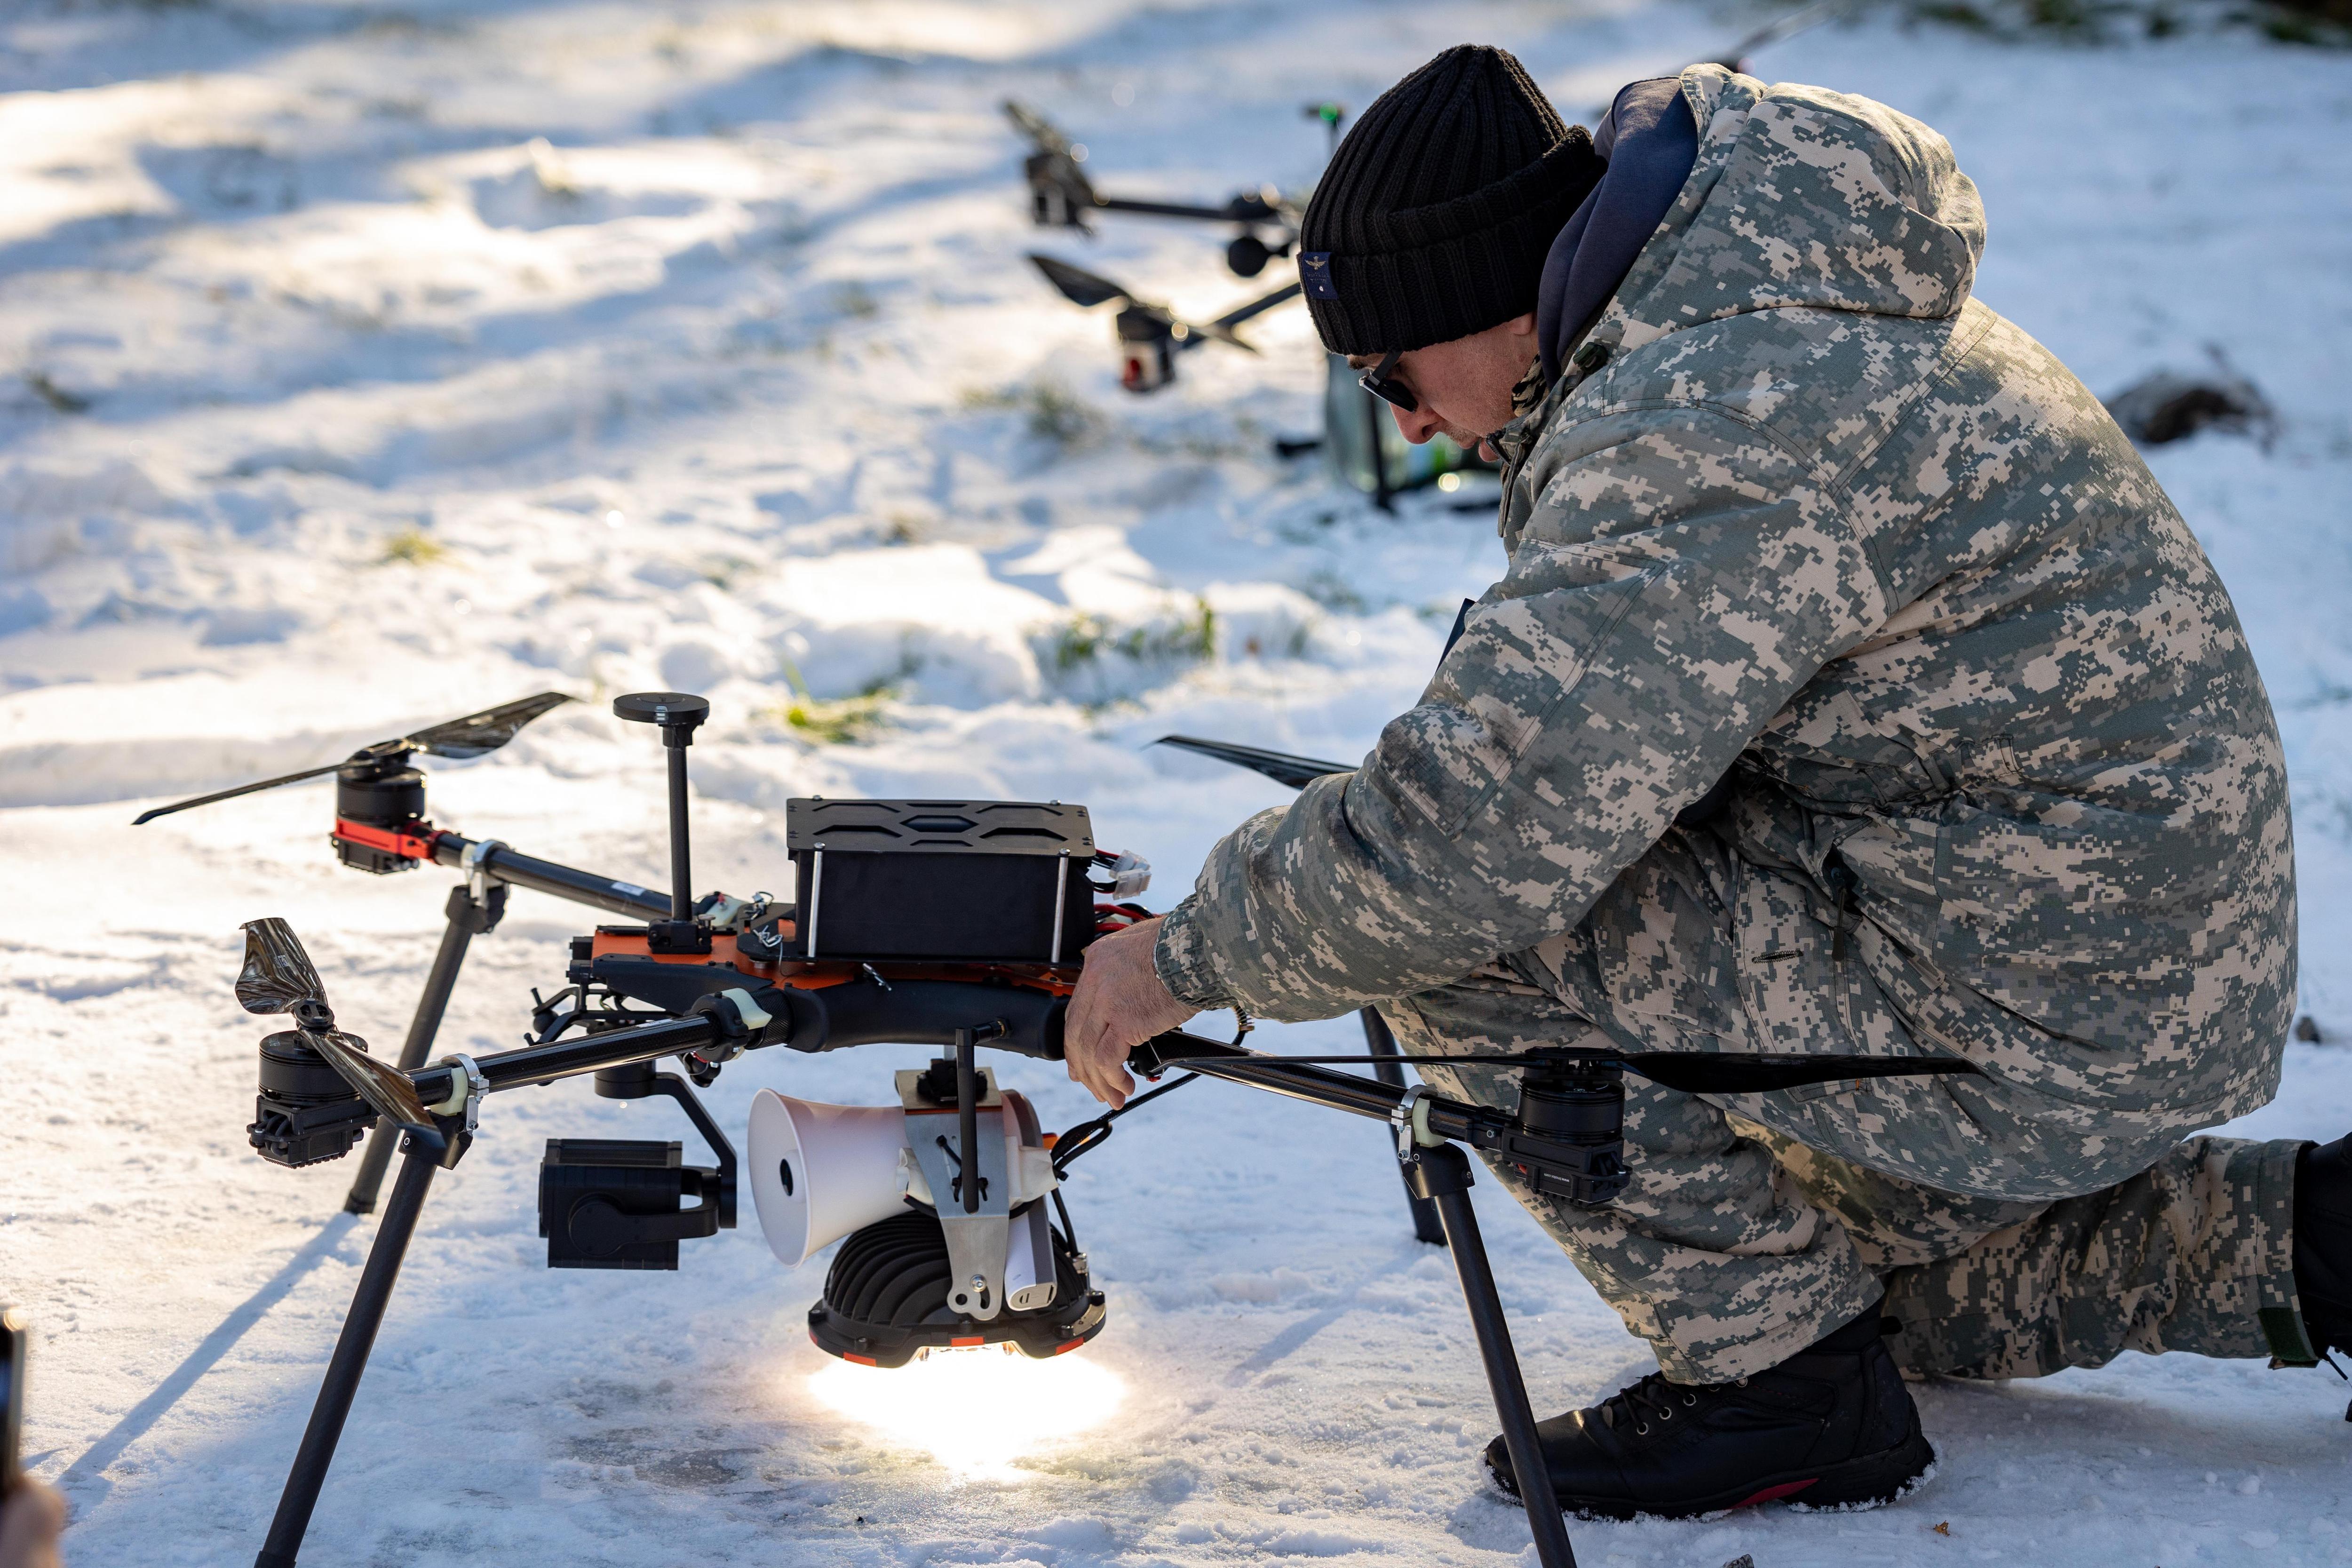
x,y
1088,290
473,735
1079,286
279,977
1042,132
1060,189
1798,21
1691,1072
1279,766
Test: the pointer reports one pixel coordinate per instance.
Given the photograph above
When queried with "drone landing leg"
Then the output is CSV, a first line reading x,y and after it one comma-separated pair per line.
x,y
1442,1175
351,1357
1391,1071
468,917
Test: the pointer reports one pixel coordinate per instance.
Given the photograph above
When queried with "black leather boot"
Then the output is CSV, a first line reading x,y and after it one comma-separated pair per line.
x,y
1830,1426
2322,1245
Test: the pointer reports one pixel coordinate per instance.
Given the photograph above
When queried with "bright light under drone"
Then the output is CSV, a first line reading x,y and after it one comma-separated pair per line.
x,y
977,1411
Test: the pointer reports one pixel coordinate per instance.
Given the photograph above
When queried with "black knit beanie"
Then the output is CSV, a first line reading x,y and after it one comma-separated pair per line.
x,y
1433,220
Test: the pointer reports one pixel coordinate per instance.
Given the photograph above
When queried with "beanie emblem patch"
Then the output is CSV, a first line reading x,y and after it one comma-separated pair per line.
x,y
1315,274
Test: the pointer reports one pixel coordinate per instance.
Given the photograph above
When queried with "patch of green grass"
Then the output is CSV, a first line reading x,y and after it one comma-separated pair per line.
x,y
412,547
834,720
1082,639
1050,411
1334,592
1055,415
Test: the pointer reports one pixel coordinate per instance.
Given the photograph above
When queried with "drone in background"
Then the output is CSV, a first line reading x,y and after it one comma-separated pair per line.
x,y
1360,445
1062,197
960,924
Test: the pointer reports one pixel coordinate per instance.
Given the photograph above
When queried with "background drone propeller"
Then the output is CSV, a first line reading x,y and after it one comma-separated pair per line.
x,y
1088,290
473,735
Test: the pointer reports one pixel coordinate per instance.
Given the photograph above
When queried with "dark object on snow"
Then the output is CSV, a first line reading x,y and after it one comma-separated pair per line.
x,y
1679,1450
2323,1247
2166,407
2307,1029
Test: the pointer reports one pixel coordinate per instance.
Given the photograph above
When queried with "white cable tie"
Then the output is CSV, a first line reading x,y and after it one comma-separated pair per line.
x,y
755,1017
467,1087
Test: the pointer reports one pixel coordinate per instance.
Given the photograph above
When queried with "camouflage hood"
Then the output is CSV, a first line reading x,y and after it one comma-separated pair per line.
x,y
1864,210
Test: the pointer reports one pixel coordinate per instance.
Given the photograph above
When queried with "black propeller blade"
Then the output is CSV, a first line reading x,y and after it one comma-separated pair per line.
x,y
1732,1072
1691,1072
1279,766
278,976
473,735
478,735
1222,327
1079,286
1788,27
1043,133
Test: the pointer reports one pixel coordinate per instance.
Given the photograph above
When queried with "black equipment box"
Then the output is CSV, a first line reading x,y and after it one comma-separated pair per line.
x,y
614,1203
991,880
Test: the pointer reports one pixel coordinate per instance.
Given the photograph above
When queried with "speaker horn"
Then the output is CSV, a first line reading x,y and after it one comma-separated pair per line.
x,y
819,1172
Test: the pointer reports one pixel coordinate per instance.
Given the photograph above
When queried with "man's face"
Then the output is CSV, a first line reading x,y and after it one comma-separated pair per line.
x,y
1464,386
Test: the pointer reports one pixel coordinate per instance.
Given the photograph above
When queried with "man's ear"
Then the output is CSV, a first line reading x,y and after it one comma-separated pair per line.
x,y
1522,326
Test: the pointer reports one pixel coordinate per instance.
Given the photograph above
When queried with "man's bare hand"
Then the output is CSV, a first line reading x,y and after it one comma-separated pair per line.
x,y
29,1526
1119,1004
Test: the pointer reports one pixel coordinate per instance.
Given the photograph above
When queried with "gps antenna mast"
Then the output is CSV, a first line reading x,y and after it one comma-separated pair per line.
x,y
677,713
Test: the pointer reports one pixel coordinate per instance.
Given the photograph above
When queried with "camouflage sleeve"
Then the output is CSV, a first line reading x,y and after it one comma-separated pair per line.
x,y
1681,576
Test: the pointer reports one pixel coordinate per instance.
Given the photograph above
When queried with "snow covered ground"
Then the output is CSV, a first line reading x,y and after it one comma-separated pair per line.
x,y
367,364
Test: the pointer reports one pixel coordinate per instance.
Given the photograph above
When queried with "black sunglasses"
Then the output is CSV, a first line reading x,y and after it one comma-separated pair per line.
x,y
1394,393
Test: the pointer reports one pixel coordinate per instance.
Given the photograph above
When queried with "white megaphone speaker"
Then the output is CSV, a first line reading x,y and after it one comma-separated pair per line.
x,y
819,1172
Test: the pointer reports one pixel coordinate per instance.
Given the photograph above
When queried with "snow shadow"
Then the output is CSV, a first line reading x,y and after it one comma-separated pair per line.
x,y
85,1479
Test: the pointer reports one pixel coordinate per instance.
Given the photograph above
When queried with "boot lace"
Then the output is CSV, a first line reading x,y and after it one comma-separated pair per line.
x,y
1649,1401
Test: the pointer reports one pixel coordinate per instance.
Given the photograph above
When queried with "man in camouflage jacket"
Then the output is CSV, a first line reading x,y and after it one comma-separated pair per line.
x,y
1852,688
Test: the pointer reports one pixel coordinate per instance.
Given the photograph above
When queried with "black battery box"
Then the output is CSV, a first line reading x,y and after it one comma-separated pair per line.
x,y
987,880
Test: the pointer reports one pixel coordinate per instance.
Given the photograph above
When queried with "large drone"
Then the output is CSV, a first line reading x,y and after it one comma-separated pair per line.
x,y
958,924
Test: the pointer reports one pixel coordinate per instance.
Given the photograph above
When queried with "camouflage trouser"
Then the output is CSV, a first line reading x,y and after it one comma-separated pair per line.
x,y
2012,1233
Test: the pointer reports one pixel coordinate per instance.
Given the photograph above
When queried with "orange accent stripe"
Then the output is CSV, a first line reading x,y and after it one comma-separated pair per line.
x,y
1774,1494
860,1359
1066,1349
966,1342
405,845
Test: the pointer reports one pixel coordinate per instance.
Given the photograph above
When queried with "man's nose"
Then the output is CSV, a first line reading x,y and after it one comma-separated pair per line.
x,y
1418,425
